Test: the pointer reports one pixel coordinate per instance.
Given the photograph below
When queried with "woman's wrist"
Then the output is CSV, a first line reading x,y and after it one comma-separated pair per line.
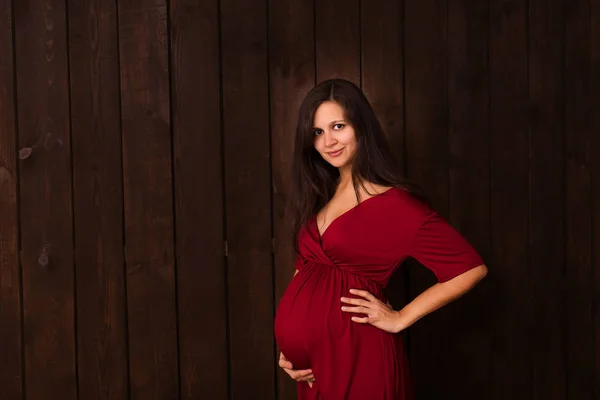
x,y
402,322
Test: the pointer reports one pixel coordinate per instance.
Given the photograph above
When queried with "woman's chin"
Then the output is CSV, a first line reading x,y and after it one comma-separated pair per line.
x,y
338,163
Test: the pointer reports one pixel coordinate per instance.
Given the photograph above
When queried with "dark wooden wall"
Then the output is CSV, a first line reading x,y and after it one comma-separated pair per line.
x,y
145,147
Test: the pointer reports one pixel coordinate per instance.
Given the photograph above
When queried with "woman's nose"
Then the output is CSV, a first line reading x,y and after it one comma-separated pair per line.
x,y
329,138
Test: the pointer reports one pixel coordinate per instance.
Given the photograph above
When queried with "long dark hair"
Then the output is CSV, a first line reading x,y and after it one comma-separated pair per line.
x,y
314,180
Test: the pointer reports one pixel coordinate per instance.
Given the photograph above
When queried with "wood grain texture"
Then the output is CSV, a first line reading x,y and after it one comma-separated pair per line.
x,y
45,199
199,199
292,75
595,179
426,99
426,105
248,201
10,285
152,314
546,185
469,184
382,66
580,361
510,197
98,200
337,40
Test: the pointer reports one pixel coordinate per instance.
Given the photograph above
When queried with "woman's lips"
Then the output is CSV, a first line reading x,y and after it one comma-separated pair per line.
x,y
335,153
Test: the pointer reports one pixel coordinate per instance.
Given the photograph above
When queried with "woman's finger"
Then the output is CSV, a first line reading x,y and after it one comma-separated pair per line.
x,y
358,310
363,293
301,375
284,363
309,378
298,374
358,302
363,320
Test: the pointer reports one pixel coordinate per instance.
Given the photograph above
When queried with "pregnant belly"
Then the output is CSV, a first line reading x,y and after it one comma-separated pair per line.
x,y
309,314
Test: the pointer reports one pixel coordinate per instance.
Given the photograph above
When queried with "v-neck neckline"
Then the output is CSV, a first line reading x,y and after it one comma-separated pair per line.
x,y
321,235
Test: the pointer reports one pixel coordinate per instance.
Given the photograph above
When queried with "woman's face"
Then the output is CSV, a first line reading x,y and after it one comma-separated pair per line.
x,y
334,136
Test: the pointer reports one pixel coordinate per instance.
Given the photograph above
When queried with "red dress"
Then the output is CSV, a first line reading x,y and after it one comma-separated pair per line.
x,y
360,249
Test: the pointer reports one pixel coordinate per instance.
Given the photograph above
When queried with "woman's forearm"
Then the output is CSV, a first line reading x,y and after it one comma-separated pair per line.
x,y
438,296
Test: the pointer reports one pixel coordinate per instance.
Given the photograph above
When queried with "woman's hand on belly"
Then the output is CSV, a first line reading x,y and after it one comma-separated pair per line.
x,y
301,375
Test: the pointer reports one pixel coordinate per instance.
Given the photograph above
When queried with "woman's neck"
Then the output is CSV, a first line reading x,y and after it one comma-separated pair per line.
x,y
345,176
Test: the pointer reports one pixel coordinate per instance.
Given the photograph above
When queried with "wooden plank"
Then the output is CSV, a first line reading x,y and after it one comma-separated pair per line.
x,y
546,39
10,290
469,210
148,199
382,60
199,199
595,178
292,75
510,202
45,199
248,201
426,97
98,200
579,273
427,164
337,40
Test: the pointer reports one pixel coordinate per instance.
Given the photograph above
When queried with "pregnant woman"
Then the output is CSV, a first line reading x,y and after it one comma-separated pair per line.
x,y
355,220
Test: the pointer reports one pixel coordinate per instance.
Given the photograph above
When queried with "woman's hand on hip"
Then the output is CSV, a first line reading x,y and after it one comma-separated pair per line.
x,y
300,375
378,314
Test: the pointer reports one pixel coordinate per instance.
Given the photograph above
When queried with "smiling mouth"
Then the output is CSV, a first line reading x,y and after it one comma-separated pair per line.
x,y
335,153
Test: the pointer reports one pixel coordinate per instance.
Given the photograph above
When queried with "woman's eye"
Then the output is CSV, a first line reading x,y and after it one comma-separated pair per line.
x,y
338,126
318,132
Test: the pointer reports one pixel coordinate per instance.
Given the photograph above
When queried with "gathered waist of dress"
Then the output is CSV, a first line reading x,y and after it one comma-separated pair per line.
x,y
372,283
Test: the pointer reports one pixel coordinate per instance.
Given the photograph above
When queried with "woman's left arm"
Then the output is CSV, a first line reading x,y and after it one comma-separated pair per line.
x,y
382,316
438,296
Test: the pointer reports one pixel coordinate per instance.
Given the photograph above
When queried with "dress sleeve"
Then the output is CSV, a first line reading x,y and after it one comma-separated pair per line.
x,y
299,263
442,249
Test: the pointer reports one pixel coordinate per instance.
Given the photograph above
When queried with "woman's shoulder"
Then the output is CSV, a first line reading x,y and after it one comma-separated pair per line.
x,y
403,204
